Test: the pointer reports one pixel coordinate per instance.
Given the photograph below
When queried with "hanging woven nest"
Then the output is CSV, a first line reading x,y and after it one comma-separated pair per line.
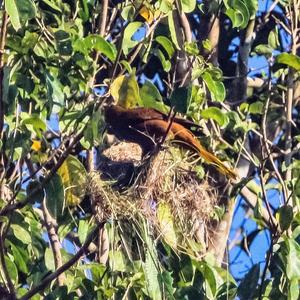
x,y
164,189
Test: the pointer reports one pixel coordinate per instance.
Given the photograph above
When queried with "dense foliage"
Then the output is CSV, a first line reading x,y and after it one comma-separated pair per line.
x,y
232,66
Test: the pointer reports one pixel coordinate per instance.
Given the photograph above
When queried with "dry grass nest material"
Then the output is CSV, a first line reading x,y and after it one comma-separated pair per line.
x,y
166,178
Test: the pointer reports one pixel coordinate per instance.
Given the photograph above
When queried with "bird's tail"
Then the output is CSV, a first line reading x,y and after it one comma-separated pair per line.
x,y
212,159
186,136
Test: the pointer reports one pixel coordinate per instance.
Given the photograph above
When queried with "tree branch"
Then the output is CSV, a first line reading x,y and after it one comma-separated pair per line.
x,y
48,279
19,205
54,241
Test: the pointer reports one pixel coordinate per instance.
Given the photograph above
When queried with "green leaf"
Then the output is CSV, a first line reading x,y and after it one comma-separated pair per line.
x,y
207,45
92,132
172,29
191,48
83,229
216,114
117,261
188,5
181,98
63,43
52,5
128,13
34,122
294,289
166,223
238,12
12,270
168,281
55,196
273,40
20,11
49,259
125,91
165,6
209,276
290,60
21,234
12,10
151,97
19,258
216,88
293,259
73,176
256,107
285,216
166,44
98,43
166,64
263,49
54,93
247,287
128,43
151,275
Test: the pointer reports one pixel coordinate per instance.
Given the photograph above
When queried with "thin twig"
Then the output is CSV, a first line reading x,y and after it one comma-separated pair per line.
x,y
264,135
268,259
103,17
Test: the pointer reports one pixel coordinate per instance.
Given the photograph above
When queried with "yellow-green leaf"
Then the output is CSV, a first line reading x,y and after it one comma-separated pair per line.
x,y
166,223
73,175
125,91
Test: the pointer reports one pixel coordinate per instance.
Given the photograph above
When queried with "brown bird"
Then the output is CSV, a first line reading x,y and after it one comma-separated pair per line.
x,y
146,127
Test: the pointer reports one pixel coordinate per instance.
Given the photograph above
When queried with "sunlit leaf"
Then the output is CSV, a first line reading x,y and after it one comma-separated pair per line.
x,y
188,5
98,43
289,59
293,259
83,229
21,233
216,114
128,12
151,97
166,224
151,275
73,176
148,14
128,42
215,87
166,44
20,11
49,259
12,270
172,29
125,91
